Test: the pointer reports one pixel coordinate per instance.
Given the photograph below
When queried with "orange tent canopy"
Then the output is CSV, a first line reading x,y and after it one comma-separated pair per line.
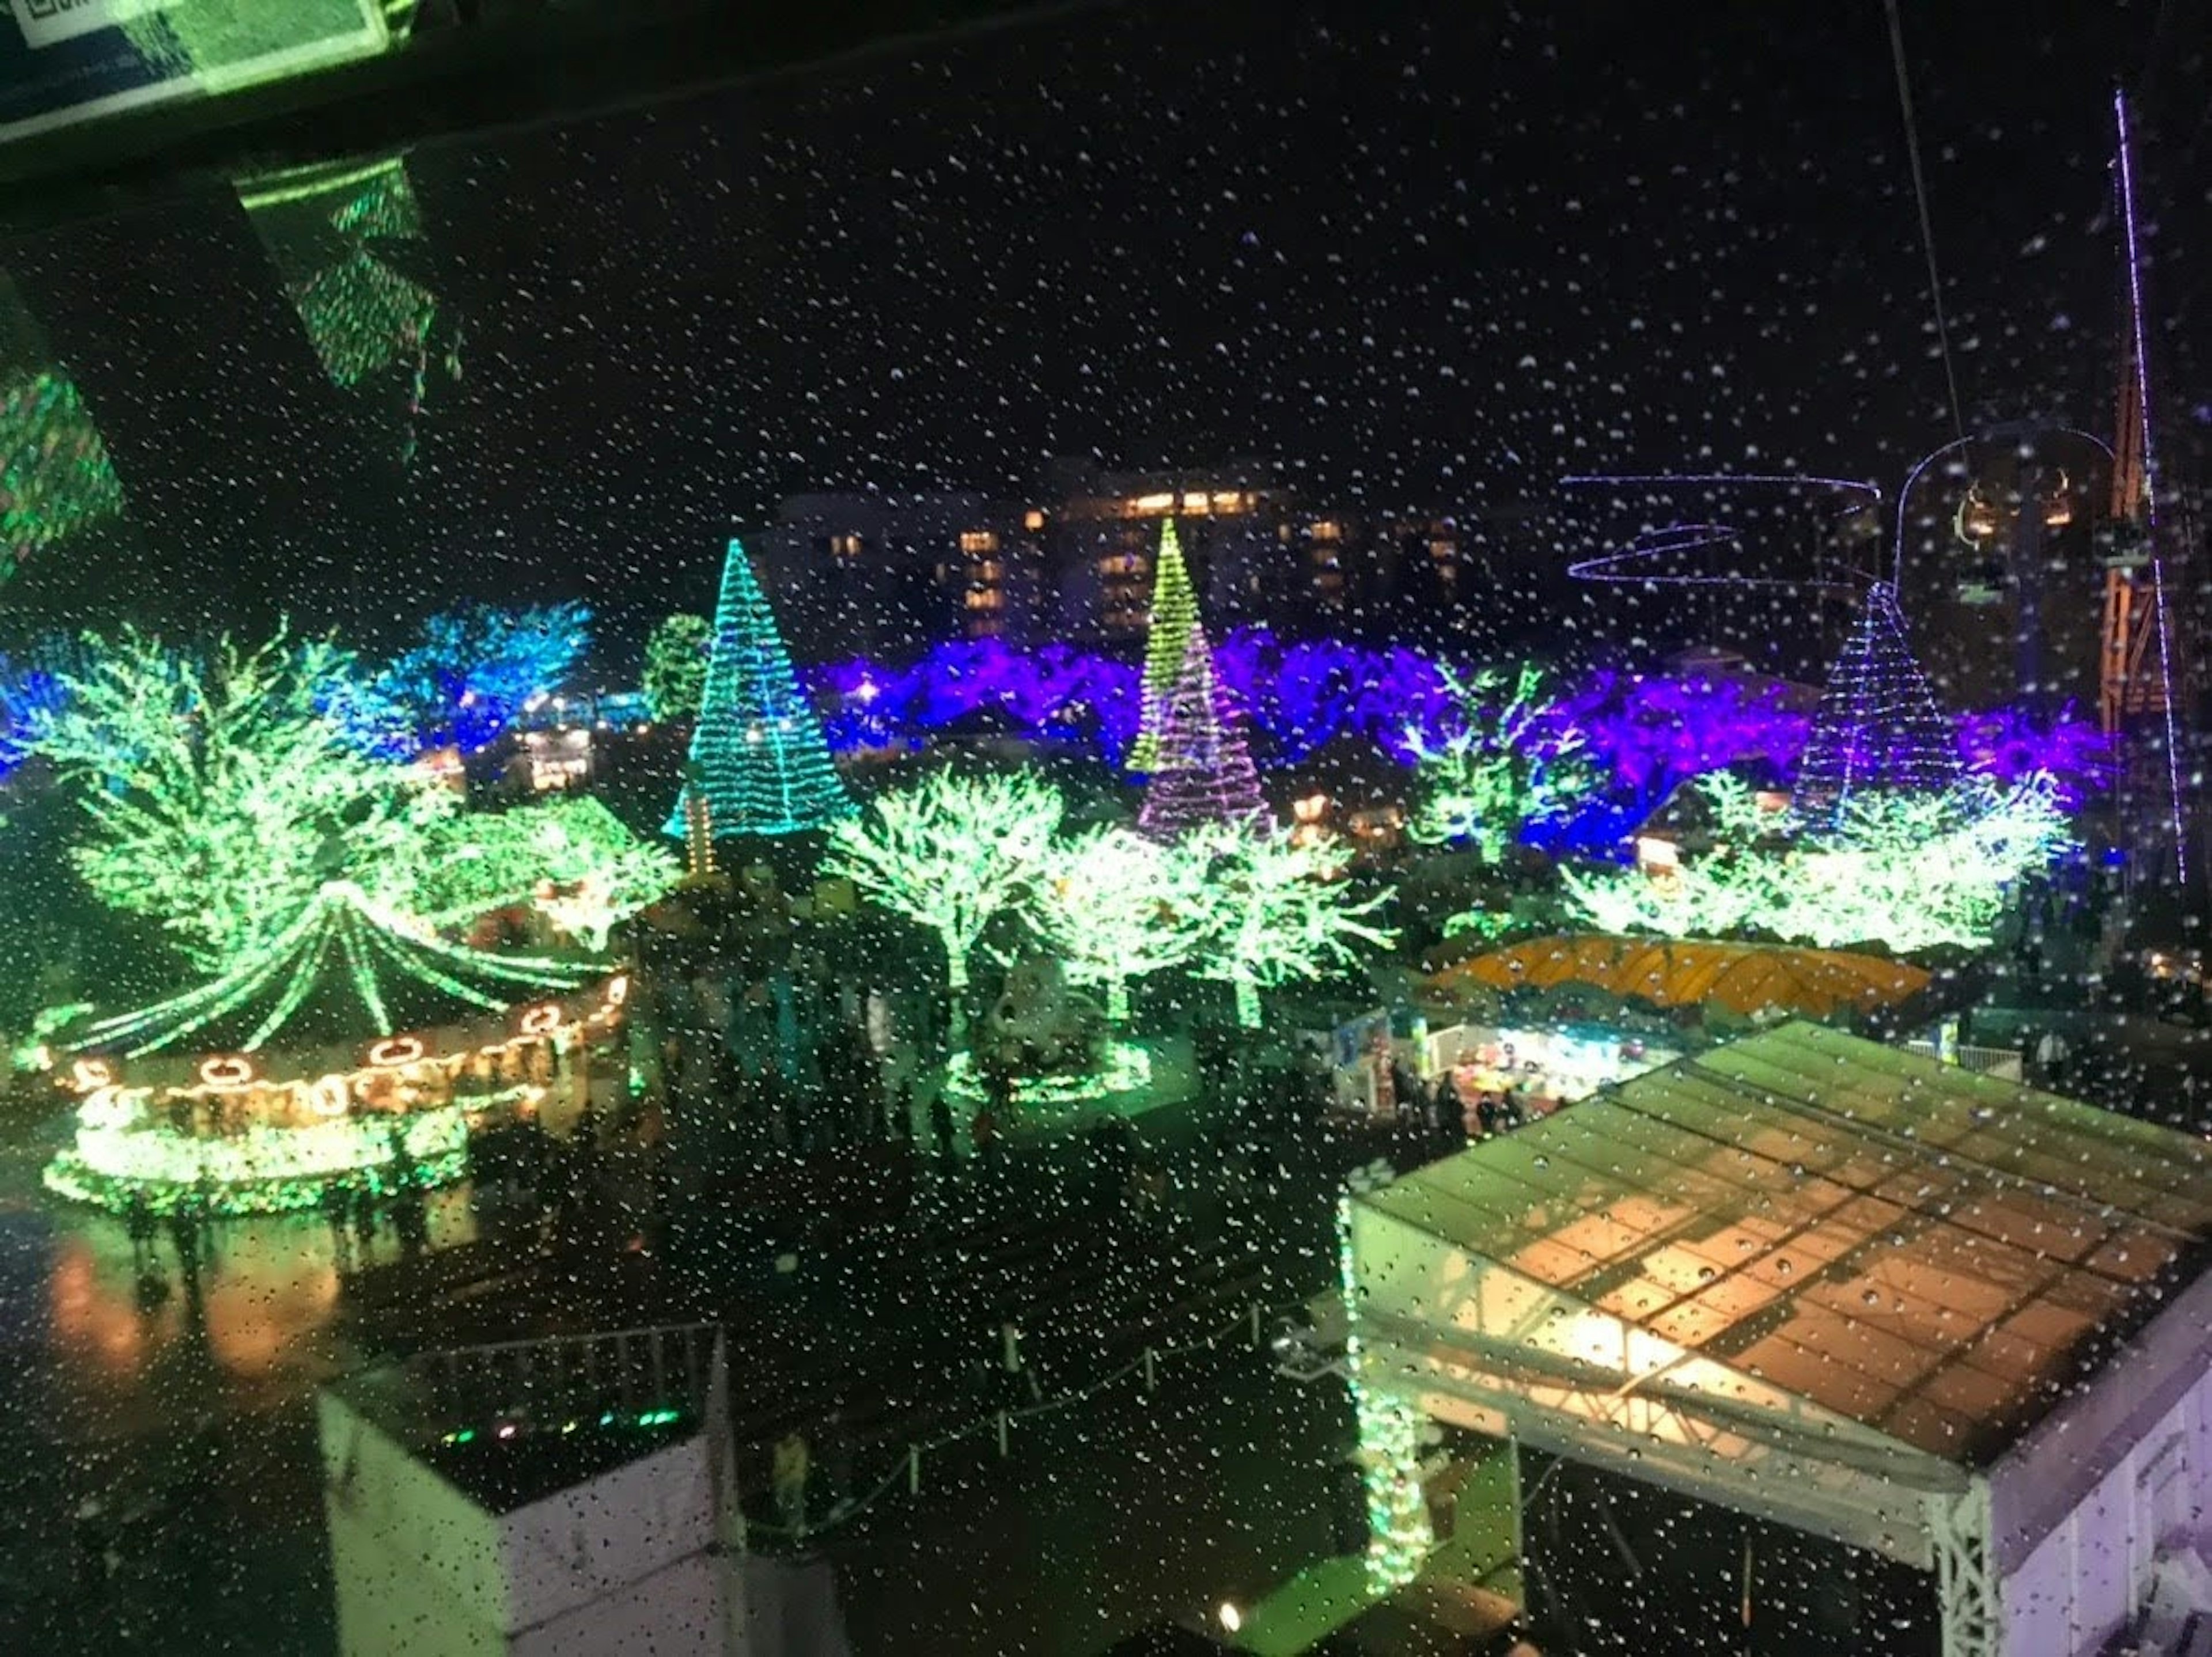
x,y
1746,978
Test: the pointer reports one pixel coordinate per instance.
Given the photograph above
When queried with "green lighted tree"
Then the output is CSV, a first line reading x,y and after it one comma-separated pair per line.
x,y
1167,645
674,681
219,799
571,858
1274,910
762,764
1114,906
1509,764
949,853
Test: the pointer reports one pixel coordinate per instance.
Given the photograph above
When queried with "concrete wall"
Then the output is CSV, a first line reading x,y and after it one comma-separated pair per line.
x,y
636,1541
2086,1580
416,1566
624,1563
676,1613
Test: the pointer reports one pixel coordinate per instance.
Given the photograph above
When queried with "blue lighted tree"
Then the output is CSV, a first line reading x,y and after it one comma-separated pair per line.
x,y
760,760
473,674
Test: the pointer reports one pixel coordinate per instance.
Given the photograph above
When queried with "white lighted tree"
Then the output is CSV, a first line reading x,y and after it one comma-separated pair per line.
x,y
949,852
1274,910
220,798
1114,906
571,858
1909,869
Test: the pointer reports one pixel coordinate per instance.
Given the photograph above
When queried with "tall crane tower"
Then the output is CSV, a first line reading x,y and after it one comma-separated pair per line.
x,y
2142,675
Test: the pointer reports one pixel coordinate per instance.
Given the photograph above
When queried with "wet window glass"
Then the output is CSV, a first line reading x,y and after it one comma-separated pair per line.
x,y
970,830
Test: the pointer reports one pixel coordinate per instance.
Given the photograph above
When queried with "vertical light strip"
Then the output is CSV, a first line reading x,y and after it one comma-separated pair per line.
x,y
2150,473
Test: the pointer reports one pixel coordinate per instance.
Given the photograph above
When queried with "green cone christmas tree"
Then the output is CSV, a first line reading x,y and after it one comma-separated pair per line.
x,y
1167,644
759,762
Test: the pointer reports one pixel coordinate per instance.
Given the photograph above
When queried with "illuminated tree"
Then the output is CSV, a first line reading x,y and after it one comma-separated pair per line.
x,y
1913,871
1274,911
675,679
1878,728
474,673
1201,771
571,858
1167,644
1508,762
348,240
761,760
1114,906
220,798
949,853
55,474
30,694
1399,1533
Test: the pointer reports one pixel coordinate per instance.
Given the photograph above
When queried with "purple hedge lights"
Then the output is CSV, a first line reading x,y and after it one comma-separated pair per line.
x,y
1647,733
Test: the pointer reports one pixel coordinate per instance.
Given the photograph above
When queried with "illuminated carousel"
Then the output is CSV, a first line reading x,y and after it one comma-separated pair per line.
x,y
349,1047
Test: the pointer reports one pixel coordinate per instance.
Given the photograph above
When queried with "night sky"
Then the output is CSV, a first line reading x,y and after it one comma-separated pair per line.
x,y
1412,261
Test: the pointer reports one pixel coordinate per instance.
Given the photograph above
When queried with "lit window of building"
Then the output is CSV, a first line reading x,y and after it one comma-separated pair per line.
x,y
844,546
1327,529
1033,520
979,541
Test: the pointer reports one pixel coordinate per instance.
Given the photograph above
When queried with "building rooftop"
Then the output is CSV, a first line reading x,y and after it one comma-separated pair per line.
x,y
1937,1255
513,1423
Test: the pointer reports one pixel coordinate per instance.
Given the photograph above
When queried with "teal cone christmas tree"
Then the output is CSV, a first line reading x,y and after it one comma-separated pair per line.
x,y
1167,642
1204,774
757,756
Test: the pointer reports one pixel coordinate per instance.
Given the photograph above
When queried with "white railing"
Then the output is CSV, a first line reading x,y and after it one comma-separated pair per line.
x,y
557,1377
2004,1063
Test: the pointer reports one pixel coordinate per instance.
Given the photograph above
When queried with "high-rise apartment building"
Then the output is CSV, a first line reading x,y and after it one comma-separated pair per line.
x,y
1074,561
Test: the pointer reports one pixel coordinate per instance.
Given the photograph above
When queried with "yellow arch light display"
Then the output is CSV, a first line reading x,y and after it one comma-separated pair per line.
x,y
541,1020
329,1095
86,1074
395,1050
226,1072
617,989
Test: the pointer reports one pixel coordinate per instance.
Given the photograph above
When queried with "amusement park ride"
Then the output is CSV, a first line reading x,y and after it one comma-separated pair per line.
x,y
2028,540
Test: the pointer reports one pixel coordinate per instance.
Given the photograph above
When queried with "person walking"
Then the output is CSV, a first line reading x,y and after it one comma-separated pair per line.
x,y
983,1131
140,1225
336,1204
363,1202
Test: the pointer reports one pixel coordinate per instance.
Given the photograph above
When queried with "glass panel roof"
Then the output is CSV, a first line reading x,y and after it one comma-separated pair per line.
x,y
1931,1253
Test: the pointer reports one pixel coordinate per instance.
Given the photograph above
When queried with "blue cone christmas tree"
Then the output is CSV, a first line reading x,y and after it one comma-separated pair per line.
x,y
758,761
1878,728
1203,774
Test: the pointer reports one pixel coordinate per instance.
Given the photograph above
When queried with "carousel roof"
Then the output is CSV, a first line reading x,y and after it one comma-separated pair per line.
x,y
342,970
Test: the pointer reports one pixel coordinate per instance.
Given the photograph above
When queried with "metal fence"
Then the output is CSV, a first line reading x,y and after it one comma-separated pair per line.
x,y
2004,1063
562,1377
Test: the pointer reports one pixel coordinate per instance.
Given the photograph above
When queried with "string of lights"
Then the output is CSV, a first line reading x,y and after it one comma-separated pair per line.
x,y
757,752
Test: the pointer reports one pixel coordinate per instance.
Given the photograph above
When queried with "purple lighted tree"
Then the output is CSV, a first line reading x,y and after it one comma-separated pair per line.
x,y
1878,727
1204,773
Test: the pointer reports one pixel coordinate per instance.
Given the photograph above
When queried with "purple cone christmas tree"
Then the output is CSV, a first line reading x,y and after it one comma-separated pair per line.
x,y
1878,728
1203,773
